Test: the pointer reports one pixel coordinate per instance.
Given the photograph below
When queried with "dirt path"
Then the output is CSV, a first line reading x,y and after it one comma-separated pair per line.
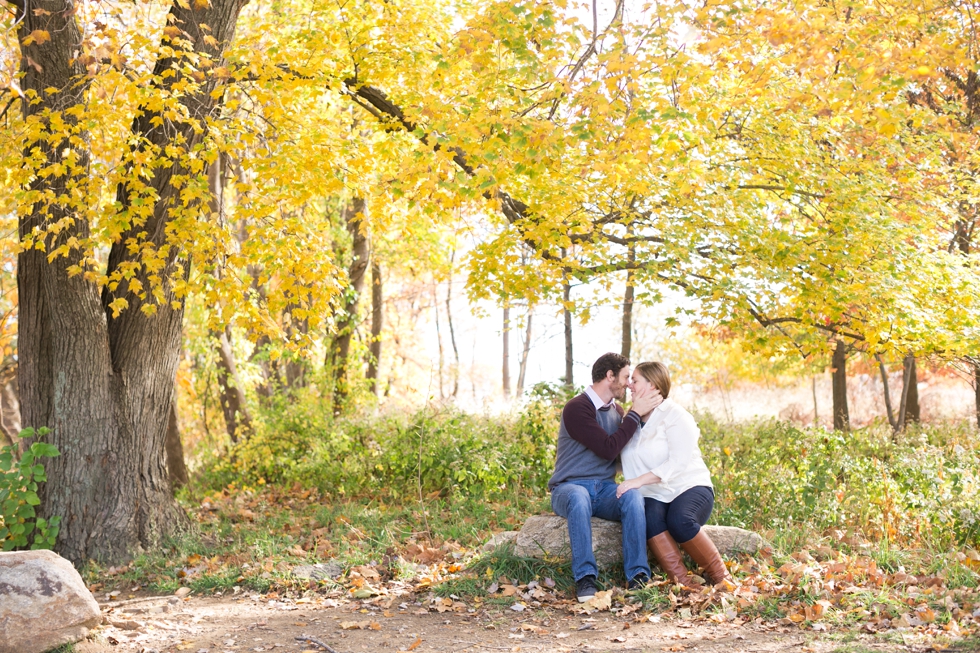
x,y
255,623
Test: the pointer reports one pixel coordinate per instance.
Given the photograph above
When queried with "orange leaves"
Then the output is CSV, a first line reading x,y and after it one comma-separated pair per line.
x,y
37,37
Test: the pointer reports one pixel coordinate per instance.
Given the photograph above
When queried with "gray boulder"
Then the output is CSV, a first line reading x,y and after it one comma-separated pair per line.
x,y
504,537
44,603
319,571
547,536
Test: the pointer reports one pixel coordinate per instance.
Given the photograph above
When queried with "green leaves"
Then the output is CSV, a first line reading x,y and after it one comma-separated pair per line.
x,y
19,480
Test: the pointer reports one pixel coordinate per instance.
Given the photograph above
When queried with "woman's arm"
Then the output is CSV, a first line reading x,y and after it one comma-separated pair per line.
x,y
682,445
645,479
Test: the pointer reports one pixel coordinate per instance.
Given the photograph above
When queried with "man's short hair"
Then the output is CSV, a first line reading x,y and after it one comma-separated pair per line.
x,y
610,362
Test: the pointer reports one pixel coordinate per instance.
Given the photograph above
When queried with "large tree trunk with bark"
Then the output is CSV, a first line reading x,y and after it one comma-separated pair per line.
x,y
355,215
377,322
103,380
842,417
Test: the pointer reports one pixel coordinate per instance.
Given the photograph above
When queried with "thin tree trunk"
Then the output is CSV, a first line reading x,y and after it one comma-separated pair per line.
x,y
442,362
452,331
175,450
976,389
377,318
506,357
238,422
525,352
908,364
355,214
9,407
912,410
102,379
813,388
842,417
566,296
888,397
628,300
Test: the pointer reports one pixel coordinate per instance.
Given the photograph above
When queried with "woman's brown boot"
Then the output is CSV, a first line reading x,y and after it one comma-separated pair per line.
x,y
702,551
668,556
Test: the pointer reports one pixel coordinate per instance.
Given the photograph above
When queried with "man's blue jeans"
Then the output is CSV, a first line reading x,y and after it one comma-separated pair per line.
x,y
579,501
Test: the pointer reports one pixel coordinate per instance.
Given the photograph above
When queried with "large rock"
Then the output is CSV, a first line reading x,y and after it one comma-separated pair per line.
x,y
43,603
547,536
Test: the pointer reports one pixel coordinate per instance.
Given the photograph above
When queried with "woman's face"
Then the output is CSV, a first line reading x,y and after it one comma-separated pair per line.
x,y
640,383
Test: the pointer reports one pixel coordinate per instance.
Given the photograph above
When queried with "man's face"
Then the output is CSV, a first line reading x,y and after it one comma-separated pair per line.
x,y
619,383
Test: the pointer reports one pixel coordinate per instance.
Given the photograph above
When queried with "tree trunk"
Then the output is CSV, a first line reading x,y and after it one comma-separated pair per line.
x,y
452,331
505,367
103,380
813,389
294,367
238,421
442,362
9,407
910,392
842,417
906,378
566,298
377,318
175,450
355,215
976,389
888,397
628,301
525,351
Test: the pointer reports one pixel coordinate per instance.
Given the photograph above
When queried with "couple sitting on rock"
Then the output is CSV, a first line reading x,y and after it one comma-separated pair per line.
x,y
667,495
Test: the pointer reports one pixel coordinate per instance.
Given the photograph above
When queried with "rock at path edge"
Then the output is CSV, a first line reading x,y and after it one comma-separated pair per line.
x,y
44,603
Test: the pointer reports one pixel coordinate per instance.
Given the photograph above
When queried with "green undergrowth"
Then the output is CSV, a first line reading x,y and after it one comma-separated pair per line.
x,y
310,488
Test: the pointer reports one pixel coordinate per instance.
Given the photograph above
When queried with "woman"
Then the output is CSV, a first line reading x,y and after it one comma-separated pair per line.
x,y
664,462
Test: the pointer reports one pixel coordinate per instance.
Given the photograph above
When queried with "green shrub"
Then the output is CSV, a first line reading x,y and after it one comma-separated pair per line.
x,y
774,476
432,451
19,523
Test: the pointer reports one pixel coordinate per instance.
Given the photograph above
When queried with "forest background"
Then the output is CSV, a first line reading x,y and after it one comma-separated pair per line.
x,y
245,244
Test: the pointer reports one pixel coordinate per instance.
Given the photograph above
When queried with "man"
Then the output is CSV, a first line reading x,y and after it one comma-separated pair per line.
x,y
592,433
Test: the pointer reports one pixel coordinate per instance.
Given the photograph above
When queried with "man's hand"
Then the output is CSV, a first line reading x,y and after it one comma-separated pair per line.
x,y
644,401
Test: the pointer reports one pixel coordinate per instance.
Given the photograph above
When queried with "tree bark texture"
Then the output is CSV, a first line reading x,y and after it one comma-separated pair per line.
x,y
104,383
175,450
377,323
842,417
354,215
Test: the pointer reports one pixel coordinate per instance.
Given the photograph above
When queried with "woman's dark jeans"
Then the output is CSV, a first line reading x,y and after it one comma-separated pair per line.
x,y
683,517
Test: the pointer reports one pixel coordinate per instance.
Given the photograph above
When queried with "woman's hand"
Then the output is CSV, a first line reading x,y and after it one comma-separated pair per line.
x,y
634,483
